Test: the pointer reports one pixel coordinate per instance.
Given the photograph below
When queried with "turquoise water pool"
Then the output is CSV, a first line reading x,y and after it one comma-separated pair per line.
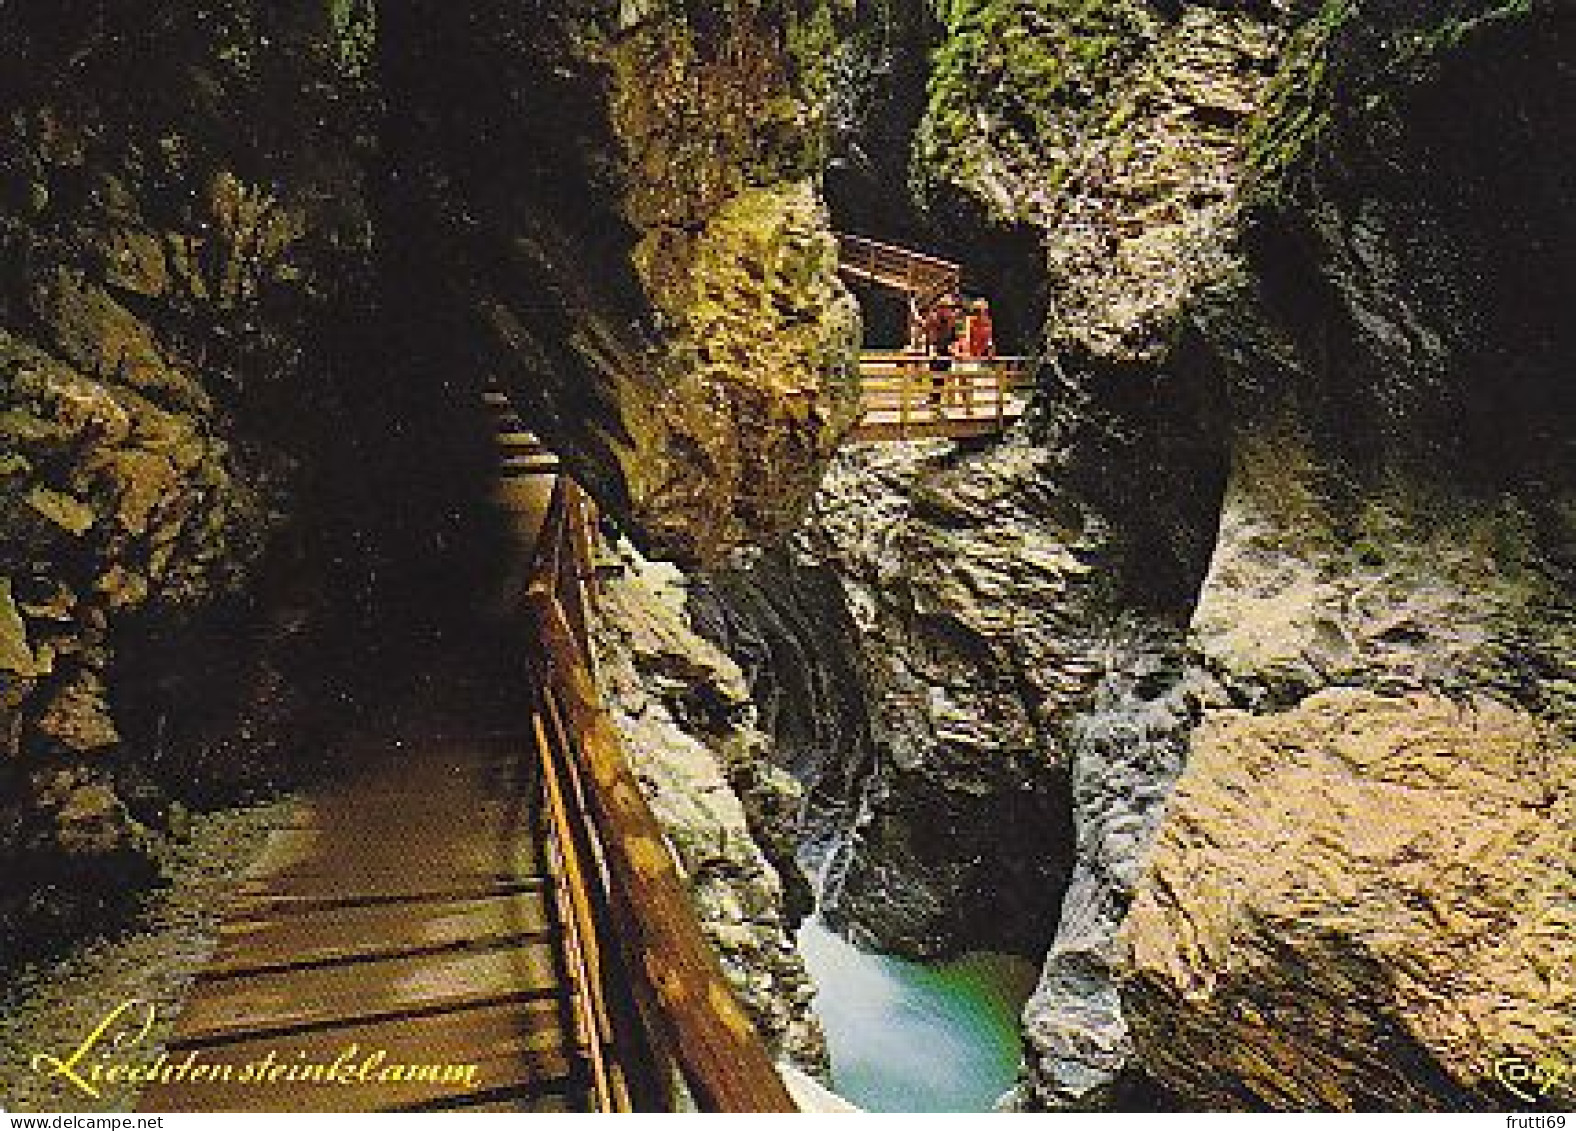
x,y
911,1037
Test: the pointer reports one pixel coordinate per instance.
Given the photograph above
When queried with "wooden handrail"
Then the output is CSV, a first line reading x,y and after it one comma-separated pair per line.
x,y
898,268
902,397
694,1016
866,244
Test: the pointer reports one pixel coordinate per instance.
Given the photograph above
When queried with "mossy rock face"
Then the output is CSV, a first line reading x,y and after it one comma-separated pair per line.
x,y
172,222
1109,131
1013,87
1352,64
665,309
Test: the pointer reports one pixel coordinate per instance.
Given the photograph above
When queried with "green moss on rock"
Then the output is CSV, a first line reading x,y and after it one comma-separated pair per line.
x,y
1351,66
1015,82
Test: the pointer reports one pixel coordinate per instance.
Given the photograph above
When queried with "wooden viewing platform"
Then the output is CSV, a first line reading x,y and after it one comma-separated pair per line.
x,y
907,395
479,911
905,399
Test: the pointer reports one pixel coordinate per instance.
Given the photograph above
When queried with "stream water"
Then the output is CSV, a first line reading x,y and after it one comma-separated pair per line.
x,y
910,1037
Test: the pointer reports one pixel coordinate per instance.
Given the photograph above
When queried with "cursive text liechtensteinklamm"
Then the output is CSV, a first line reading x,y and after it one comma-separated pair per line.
x,y
109,1055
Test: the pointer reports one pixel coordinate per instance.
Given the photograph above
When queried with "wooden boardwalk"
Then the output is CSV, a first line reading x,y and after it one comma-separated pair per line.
x,y
404,924
905,398
475,910
410,920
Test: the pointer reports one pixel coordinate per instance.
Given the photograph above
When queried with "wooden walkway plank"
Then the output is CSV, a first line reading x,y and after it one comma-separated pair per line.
x,y
407,909
377,930
304,996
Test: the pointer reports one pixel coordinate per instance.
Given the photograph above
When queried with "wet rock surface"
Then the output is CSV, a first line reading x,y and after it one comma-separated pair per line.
x,y
690,733
787,626
650,273
956,571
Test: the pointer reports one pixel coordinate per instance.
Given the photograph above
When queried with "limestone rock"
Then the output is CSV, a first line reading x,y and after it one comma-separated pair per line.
x,y
689,730
1395,523
652,276
1128,746
77,718
1105,142
963,576
1360,902
91,821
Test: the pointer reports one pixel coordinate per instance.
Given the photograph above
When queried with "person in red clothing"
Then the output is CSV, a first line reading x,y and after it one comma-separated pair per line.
x,y
979,338
941,325
941,336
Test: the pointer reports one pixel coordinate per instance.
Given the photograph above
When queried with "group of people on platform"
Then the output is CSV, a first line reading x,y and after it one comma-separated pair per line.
x,y
950,331
950,328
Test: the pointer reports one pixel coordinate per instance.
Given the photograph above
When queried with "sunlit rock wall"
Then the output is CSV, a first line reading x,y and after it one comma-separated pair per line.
x,y
617,208
690,732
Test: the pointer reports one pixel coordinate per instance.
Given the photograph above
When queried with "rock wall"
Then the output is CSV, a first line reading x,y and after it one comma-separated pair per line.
x,y
690,731
786,624
178,215
958,572
649,272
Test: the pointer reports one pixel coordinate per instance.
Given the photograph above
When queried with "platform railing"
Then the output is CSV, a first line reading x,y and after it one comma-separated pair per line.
x,y
898,268
909,395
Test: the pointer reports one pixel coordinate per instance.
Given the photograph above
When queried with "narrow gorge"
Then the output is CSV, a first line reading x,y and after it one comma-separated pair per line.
x,y
1197,733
